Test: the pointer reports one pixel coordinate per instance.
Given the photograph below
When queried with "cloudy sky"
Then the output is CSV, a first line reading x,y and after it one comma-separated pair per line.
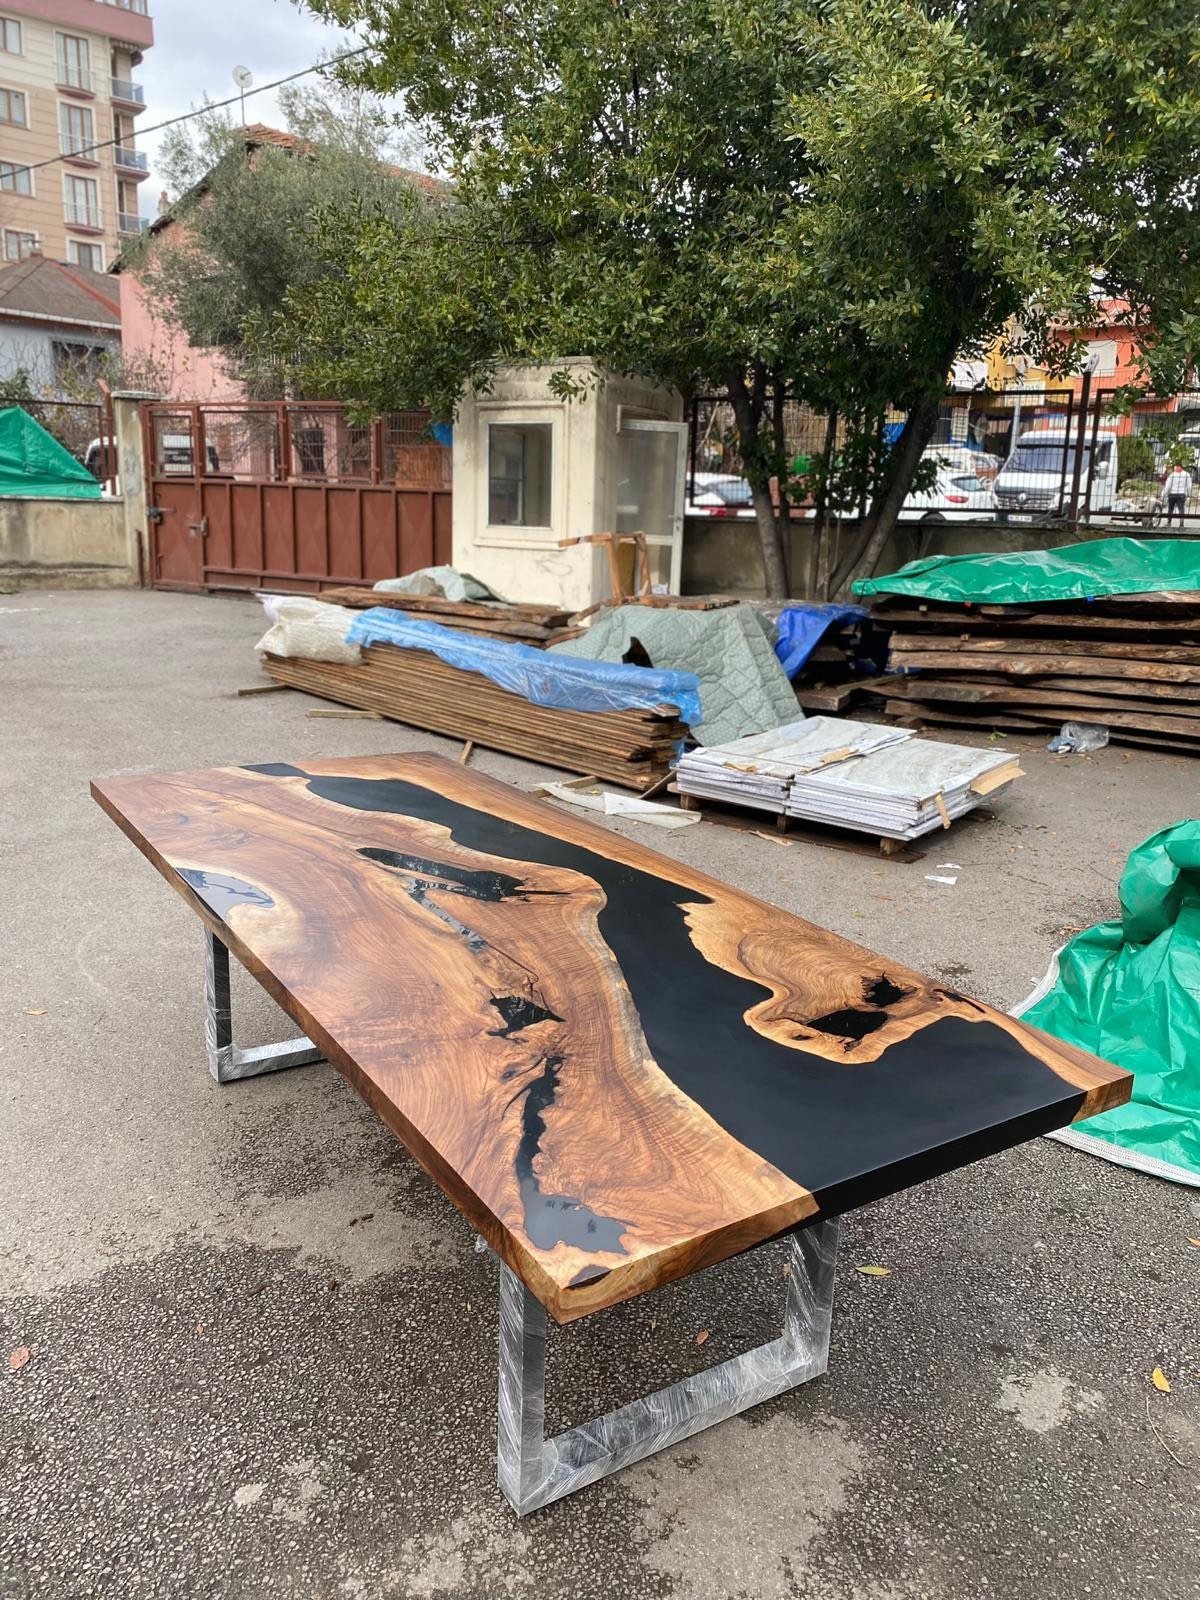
x,y
196,48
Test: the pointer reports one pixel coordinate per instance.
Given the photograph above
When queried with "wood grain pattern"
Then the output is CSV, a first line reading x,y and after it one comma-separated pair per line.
x,y
620,1069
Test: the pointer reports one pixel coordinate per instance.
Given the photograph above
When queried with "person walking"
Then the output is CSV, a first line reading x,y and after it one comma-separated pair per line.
x,y
1176,487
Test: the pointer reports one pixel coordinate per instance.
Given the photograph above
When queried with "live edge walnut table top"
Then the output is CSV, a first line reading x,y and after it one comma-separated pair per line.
x,y
620,1069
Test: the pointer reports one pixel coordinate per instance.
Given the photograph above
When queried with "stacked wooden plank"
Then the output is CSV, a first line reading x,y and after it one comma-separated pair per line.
x,y
531,624
1130,662
632,748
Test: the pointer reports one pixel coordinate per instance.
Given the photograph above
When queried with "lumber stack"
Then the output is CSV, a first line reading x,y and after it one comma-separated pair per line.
x,y
632,748
1130,662
530,624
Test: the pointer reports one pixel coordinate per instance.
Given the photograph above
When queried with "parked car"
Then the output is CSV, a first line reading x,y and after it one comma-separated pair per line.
x,y
176,457
714,495
952,494
1038,475
961,458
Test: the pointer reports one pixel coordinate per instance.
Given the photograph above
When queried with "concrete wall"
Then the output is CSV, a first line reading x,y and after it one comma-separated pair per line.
x,y
82,544
70,544
721,554
524,562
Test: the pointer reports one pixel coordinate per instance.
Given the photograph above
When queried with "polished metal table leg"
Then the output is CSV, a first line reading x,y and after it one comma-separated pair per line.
x,y
226,1061
534,1470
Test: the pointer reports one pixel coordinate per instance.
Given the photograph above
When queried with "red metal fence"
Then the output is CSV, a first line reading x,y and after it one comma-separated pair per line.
x,y
291,496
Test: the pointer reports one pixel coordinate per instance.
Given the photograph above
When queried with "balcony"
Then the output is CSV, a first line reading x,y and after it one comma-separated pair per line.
x,y
129,223
79,215
128,92
131,160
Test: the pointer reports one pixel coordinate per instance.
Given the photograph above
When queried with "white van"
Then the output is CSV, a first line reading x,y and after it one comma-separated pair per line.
x,y
1038,474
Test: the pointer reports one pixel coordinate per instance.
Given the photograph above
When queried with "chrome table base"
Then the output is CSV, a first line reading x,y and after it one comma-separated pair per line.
x,y
226,1061
534,1470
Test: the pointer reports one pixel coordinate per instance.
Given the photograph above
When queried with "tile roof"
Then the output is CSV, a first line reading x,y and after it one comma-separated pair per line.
x,y
41,288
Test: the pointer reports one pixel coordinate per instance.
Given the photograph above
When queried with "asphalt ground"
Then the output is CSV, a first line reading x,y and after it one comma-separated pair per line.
x,y
263,1345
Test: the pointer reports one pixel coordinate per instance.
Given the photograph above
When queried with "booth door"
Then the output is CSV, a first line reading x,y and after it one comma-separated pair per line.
x,y
651,459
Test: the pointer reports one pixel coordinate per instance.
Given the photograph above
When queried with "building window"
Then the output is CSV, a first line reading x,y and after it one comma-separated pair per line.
x,y
74,61
85,255
76,130
1104,353
82,201
15,179
12,108
18,245
519,474
76,360
10,36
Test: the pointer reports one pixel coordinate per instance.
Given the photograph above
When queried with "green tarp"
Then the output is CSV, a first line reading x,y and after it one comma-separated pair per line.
x,y
1130,991
32,462
1072,572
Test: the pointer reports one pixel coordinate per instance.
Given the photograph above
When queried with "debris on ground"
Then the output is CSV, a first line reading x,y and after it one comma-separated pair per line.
x,y
1078,739
589,796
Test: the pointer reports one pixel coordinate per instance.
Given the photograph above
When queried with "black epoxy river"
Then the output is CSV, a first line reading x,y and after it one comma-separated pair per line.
x,y
849,1132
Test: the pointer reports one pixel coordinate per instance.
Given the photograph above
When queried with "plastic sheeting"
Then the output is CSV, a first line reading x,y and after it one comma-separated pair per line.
x,y
446,582
32,462
1072,572
743,688
567,683
801,629
1129,991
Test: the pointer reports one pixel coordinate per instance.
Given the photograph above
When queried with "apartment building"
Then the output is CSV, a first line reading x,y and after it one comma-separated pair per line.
x,y
66,85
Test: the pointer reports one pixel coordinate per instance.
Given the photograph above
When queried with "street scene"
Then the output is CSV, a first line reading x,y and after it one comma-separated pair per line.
x,y
600,626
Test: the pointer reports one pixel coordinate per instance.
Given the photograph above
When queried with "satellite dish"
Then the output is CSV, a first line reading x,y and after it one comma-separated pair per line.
x,y
243,77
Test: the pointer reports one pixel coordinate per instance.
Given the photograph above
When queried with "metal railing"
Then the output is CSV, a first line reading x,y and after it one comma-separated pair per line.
x,y
77,144
126,89
82,216
297,441
140,6
80,426
130,222
134,160
70,76
1074,455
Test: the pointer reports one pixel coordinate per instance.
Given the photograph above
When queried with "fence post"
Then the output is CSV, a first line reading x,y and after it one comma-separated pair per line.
x,y
130,467
1085,390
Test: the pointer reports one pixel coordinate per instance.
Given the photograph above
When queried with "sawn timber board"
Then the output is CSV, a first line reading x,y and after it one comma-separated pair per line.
x,y
620,1069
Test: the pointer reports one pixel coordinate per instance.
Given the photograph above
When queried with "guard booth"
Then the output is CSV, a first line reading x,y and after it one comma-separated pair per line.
x,y
532,470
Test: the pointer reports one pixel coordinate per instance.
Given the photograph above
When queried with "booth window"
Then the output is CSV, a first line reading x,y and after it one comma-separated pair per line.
x,y
519,474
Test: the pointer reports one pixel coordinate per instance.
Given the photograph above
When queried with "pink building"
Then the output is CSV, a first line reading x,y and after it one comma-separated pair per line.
x,y
181,370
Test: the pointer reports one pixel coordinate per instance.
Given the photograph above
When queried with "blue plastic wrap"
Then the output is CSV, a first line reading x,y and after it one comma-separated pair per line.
x,y
800,629
568,683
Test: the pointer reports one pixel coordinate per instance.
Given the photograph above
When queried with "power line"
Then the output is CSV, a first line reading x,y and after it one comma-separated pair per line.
x,y
213,105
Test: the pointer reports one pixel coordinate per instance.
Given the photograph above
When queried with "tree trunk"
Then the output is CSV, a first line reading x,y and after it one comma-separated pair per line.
x,y
881,519
770,536
748,405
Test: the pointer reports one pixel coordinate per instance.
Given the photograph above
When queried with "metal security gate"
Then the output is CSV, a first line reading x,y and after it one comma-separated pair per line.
x,y
291,496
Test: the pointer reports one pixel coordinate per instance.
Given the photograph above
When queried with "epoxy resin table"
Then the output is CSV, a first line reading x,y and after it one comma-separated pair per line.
x,y
620,1070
